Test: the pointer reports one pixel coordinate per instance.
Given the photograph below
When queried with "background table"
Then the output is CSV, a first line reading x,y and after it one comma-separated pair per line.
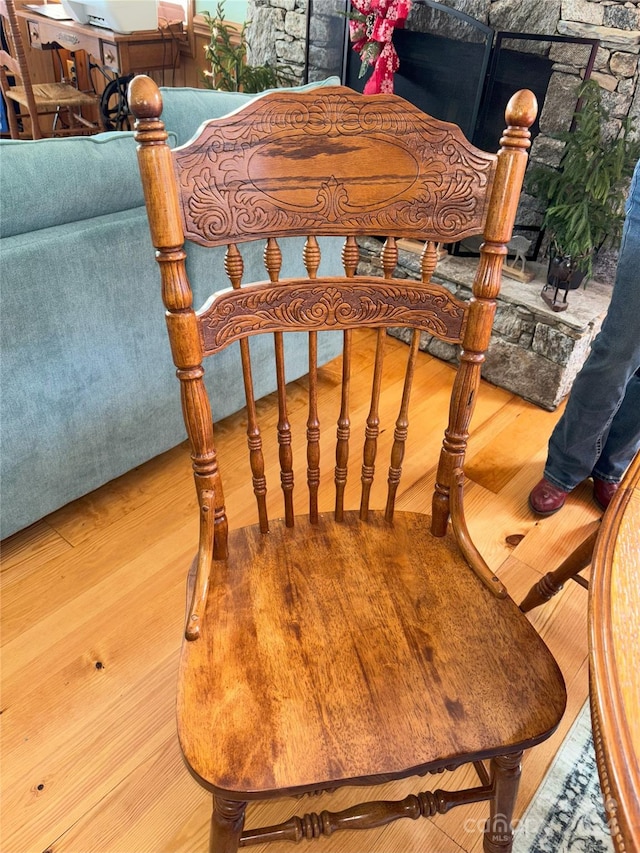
x,y
146,50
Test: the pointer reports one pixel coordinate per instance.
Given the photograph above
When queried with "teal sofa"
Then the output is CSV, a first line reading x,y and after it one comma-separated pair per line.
x,y
88,389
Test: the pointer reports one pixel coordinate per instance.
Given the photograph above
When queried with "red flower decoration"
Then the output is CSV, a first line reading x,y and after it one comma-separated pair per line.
x,y
371,31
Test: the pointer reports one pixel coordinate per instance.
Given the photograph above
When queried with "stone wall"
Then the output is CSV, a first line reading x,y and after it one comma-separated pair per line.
x,y
277,34
278,31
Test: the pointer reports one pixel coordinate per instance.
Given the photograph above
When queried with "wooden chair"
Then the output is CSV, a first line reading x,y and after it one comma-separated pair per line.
x,y
61,100
348,645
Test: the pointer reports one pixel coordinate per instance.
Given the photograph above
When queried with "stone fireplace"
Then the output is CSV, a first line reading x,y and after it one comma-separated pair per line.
x,y
533,352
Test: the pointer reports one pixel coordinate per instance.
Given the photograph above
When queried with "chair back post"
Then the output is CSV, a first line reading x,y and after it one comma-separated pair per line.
x,y
520,114
156,168
21,68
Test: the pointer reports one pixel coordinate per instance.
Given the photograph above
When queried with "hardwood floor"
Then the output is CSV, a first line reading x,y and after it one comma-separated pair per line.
x,y
92,610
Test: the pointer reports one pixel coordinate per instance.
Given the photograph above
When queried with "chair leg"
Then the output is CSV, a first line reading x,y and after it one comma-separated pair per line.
x,y
498,833
227,822
12,119
553,582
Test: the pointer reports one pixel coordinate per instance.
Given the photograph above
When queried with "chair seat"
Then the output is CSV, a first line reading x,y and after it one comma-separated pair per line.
x,y
49,96
365,649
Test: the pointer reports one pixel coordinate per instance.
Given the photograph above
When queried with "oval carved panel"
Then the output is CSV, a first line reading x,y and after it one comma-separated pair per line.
x,y
348,170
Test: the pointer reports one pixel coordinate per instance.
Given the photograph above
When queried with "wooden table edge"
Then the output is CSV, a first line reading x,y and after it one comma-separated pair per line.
x,y
618,764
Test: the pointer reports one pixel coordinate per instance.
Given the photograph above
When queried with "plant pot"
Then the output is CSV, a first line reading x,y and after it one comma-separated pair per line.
x,y
563,275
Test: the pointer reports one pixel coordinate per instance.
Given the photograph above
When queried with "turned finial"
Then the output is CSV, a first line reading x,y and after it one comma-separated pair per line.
x,y
145,100
522,109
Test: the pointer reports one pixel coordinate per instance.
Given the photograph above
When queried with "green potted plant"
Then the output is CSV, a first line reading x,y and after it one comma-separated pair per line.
x,y
585,196
226,53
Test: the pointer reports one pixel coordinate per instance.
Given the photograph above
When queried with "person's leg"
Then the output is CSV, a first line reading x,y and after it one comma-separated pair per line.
x,y
623,440
599,389
596,412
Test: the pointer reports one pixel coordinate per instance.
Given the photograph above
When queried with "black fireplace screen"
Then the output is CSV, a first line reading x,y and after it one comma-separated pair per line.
x,y
443,56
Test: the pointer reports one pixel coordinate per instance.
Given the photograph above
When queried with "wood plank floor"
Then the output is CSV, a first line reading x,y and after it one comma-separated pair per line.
x,y
92,609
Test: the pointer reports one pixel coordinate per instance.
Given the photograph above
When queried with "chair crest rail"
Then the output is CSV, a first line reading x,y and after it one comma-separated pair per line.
x,y
305,164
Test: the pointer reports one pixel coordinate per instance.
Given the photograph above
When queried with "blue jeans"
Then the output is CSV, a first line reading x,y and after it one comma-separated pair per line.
x,y
599,433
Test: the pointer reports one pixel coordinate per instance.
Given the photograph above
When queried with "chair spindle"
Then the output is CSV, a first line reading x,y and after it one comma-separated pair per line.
x,y
273,265
313,431
285,451
428,261
311,256
273,259
389,257
344,429
254,439
350,256
372,429
402,429
234,265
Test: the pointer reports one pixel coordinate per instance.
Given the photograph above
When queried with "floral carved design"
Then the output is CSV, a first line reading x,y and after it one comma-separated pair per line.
x,y
332,200
331,162
326,304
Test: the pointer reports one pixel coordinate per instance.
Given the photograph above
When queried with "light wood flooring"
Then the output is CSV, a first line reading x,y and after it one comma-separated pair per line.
x,y
92,610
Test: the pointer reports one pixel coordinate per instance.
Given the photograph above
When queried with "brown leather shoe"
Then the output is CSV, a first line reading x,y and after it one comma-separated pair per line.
x,y
545,498
603,492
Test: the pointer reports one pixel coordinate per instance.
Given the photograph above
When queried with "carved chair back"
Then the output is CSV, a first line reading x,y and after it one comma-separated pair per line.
x,y
325,163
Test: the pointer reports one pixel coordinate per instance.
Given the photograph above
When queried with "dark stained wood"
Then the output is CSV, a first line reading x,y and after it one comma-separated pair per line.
x,y
227,821
506,775
366,816
284,433
465,542
313,430
372,429
402,429
366,644
343,431
37,99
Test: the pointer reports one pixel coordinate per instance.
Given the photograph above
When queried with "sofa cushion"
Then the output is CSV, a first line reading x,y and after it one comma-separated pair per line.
x,y
88,385
184,109
47,182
